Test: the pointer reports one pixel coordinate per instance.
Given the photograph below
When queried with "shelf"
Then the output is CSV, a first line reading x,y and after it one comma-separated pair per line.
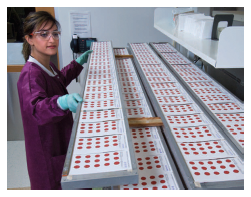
x,y
220,54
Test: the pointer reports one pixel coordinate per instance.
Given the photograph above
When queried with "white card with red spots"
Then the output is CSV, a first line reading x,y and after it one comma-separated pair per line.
x,y
100,77
135,104
202,84
174,100
153,70
225,108
184,66
100,67
206,150
133,96
180,109
124,63
217,170
125,70
120,51
145,134
187,120
157,74
99,72
130,84
237,131
195,134
100,96
101,82
100,144
96,89
167,92
160,86
96,116
132,74
100,162
160,79
235,118
181,70
154,66
100,128
152,147
131,89
98,105
187,72
125,79
196,79
155,173
214,98
138,112
165,48
175,58
208,91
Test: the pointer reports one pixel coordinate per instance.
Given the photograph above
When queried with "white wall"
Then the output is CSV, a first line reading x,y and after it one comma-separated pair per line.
x,y
117,24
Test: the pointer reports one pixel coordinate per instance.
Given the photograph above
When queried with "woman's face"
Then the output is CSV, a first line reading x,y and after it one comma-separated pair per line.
x,y
40,46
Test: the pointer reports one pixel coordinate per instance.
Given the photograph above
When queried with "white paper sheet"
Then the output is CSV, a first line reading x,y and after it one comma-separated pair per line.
x,y
216,170
100,128
206,150
100,162
195,134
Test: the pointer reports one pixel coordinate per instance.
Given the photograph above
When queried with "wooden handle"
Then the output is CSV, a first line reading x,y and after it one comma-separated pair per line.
x,y
123,56
145,122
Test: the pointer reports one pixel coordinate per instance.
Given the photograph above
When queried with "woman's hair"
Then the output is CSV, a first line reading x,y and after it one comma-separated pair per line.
x,y
32,23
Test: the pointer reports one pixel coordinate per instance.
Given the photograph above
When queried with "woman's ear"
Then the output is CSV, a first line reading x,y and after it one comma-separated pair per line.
x,y
29,40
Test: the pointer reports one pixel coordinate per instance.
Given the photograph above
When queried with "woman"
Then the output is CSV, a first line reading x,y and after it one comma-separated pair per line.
x,y
46,106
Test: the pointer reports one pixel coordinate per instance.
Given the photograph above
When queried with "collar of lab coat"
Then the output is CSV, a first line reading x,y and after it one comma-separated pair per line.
x,y
32,59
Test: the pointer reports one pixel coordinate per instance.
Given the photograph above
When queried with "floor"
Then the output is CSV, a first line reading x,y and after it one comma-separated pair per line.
x,y
17,174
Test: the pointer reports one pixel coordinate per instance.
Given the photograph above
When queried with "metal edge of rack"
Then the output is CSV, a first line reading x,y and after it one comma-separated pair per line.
x,y
224,131
182,166
68,158
170,159
95,179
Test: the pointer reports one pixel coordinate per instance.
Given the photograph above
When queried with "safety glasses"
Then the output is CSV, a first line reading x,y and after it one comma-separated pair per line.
x,y
45,35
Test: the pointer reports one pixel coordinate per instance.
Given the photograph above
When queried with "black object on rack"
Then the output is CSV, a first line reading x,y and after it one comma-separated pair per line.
x,y
221,17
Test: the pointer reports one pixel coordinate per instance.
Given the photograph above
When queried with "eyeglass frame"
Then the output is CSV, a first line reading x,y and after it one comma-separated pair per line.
x,y
51,35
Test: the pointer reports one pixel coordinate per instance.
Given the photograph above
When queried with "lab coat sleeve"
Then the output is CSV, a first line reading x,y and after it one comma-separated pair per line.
x,y
71,71
42,107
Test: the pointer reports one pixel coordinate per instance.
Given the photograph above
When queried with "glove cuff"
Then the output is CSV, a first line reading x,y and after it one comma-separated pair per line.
x,y
62,102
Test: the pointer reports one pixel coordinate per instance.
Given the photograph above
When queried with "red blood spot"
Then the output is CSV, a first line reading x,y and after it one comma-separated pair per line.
x,y
116,163
87,166
216,173
207,173
76,167
161,176
197,173
226,172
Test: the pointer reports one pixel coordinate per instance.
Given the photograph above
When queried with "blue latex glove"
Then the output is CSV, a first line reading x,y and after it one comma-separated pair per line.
x,y
84,57
70,101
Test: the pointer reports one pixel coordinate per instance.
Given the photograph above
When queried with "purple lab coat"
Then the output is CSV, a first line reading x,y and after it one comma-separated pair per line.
x,y
47,128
